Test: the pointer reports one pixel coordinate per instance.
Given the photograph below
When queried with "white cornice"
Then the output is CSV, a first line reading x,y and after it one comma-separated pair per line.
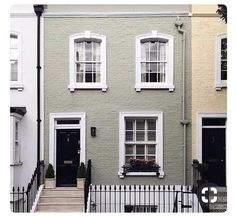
x,y
116,14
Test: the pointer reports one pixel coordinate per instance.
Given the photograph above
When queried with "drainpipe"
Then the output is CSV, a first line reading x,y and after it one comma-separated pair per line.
x,y
184,121
38,9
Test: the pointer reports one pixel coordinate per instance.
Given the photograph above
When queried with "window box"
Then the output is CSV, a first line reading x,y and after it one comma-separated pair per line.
x,y
136,165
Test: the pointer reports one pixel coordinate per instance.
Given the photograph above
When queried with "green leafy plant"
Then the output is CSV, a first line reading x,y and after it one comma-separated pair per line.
x,y
81,173
222,11
50,172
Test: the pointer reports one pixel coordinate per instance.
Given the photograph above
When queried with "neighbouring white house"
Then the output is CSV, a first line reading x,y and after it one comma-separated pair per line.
x,y
23,94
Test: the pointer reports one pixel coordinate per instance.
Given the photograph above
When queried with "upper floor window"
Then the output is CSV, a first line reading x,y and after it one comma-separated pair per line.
x,y
221,71
15,63
154,61
87,61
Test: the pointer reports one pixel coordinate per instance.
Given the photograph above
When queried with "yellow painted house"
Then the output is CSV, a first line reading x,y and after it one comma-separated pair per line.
x,y
209,91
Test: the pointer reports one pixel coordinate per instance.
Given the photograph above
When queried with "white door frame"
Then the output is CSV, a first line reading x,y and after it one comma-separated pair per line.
x,y
200,116
53,117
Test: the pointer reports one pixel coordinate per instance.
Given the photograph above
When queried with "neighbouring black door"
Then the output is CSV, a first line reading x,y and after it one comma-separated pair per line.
x,y
68,157
213,154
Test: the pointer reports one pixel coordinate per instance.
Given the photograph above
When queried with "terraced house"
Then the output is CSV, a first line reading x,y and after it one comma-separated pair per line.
x,y
117,96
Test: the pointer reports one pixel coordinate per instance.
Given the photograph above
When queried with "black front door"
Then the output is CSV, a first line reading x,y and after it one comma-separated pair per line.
x,y
68,157
213,154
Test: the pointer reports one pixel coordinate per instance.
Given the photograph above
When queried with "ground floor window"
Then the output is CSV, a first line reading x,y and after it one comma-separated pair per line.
x,y
141,143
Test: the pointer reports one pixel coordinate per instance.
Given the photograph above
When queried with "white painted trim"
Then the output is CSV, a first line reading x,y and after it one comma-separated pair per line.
x,y
19,83
170,61
199,117
159,137
52,134
218,82
118,14
73,85
33,209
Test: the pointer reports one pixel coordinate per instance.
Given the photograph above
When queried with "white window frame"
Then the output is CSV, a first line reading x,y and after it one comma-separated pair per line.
x,y
98,85
19,83
218,82
159,140
169,58
53,117
15,160
200,116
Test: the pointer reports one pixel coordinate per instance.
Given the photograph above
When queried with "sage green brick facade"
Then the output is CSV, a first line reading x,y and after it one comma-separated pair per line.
x,y
102,108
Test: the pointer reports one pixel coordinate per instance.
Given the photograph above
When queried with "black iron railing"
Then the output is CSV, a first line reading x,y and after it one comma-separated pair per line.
x,y
22,199
87,184
142,198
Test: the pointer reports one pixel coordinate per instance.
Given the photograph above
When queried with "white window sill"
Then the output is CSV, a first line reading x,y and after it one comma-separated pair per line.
x,y
16,164
94,86
161,175
221,85
18,86
139,87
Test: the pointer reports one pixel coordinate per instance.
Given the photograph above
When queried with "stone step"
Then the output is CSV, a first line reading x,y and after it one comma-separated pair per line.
x,y
62,193
218,206
60,207
63,199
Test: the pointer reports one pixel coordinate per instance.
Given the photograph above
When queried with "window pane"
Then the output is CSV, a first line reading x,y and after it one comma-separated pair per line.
x,y
162,51
88,67
80,51
14,66
213,121
140,124
79,77
140,157
145,52
127,158
96,51
88,51
223,55
151,149
153,77
153,55
224,44
129,124
153,46
151,135
88,77
151,124
144,77
129,135
79,67
129,149
223,75
96,67
140,149
153,67
151,158
97,77
223,65
140,135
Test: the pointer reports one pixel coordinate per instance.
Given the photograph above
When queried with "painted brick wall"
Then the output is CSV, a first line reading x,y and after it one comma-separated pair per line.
x,y
205,98
102,108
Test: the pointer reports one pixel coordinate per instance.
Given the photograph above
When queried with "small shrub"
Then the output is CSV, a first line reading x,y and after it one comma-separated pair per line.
x,y
81,173
50,172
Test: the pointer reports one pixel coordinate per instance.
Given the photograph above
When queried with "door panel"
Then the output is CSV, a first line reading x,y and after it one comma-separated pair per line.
x,y
68,157
213,154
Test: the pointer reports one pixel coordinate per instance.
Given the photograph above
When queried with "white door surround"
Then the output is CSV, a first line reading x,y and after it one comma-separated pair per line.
x,y
200,116
53,118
